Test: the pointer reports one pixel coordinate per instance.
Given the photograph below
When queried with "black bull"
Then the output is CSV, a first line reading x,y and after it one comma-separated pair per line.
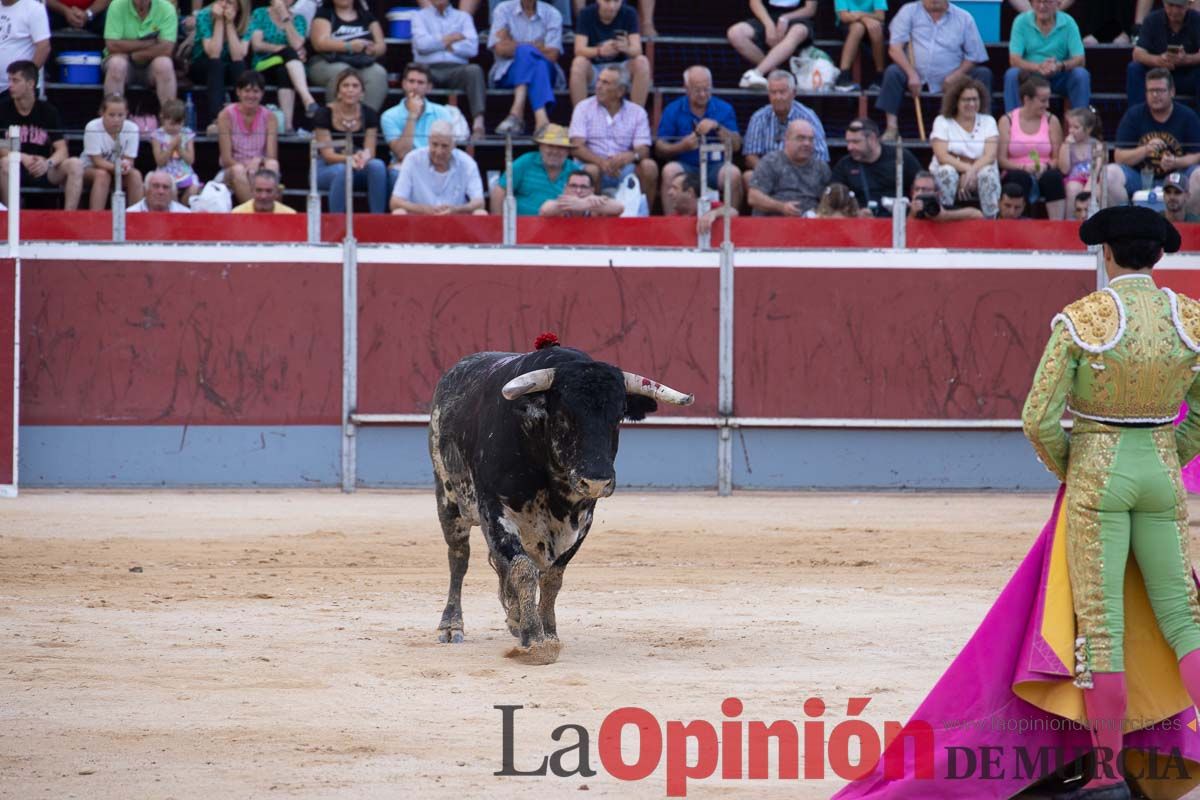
x,y
522,446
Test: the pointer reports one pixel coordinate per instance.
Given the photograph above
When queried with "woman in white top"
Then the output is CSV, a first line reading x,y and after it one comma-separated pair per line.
x,y
965,143
101,161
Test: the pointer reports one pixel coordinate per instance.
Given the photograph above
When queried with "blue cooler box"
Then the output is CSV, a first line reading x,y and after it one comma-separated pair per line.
x,y
987,17
400,22
79,67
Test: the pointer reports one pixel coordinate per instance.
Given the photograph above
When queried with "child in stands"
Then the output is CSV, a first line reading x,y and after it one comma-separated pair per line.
x,y
110,145
175,149
1085,138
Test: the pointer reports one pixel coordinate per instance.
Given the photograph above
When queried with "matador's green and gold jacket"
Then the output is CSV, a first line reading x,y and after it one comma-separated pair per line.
x,y
1129,353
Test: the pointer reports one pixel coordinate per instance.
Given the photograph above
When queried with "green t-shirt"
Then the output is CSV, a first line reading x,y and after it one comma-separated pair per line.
x,y
1028,42
533,185
859,6
261,20
122,22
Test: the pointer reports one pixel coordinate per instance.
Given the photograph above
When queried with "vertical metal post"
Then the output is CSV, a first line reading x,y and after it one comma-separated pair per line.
x,y
509,209
349,334
725,351
14,240
14,190
348,175
118,197
349,363
900,203
703,203
314,197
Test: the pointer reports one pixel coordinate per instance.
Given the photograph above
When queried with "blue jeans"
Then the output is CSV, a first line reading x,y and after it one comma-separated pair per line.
x,y
531,67
375,178
1133,178
895,84
1076,84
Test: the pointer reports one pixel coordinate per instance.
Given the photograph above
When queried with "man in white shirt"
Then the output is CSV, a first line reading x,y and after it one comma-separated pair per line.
x,y
438,179
24,35
445,39
160,196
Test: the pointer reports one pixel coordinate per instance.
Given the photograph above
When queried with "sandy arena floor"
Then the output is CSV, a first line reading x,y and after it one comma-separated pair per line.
x,y
282,644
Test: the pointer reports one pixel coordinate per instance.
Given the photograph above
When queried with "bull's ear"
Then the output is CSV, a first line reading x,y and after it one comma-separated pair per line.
x,y
638,406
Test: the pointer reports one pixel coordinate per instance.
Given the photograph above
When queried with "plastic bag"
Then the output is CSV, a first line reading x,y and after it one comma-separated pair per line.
x,y
629,194
214,198
814,70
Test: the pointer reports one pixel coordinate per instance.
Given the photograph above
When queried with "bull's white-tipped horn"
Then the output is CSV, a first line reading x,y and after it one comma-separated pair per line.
x,y
537,380
636,384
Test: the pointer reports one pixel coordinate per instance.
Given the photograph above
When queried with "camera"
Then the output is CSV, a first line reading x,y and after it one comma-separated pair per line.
x,y
930,206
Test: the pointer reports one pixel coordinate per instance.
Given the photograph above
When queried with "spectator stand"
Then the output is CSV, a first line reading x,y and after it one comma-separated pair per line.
x,y
693,34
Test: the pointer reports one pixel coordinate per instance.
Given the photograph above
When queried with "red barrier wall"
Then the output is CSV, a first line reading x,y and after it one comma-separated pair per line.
x,y
8,286
893,344
417,320
108,342
172,343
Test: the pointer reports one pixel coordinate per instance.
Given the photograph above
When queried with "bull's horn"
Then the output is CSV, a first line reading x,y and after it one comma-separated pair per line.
x,y
636,384
537,380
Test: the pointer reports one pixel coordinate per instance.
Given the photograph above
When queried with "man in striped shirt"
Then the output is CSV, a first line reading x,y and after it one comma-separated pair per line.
x,y
768,126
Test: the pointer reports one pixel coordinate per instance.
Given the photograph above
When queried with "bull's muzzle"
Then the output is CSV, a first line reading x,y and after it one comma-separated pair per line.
x,y
595,488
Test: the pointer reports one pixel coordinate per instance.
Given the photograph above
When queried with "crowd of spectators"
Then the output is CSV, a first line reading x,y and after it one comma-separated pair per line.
x,y
982,163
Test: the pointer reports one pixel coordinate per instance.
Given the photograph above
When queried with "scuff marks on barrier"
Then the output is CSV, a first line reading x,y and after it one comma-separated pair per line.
x,y
892,343
652,321
173,343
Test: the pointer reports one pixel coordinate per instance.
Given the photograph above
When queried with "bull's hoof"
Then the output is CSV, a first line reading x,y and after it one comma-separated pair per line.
x,y
537,654
450,636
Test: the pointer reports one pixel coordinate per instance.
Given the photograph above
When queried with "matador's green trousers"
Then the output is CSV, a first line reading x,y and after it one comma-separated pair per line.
x,y
1124,491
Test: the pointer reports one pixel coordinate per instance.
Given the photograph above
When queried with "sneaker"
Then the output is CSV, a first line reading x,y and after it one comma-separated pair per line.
x,y
510,126
890,135
874,87
845,83
752,79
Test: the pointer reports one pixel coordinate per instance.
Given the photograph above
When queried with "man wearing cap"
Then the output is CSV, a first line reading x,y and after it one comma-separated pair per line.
x,y
1170,40
1175,199
538,176
1122,360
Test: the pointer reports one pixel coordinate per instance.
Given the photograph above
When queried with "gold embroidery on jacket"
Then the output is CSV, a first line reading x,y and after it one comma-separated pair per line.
x,y
1095,319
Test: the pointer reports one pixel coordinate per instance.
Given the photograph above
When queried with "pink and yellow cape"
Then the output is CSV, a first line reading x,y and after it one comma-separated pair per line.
x,y
1012,687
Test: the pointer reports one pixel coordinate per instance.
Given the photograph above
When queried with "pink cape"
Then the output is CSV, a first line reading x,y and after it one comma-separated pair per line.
x,y
1191,470
1010,651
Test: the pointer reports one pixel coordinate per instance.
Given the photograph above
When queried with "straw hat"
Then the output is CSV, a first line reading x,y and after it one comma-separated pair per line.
x,y
553,135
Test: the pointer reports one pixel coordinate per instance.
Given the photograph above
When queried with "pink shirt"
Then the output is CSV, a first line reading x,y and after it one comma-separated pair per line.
x,y
1021,144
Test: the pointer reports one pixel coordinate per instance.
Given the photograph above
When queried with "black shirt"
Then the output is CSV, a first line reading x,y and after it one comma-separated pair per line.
x,y
343,31
597,32
39,130
870,182
323,119
1157,34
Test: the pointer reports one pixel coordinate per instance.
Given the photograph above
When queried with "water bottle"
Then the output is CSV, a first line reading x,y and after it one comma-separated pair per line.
x,y
189,112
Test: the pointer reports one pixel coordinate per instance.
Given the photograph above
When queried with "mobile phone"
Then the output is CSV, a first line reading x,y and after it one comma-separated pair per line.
x,y
1175,49
620,34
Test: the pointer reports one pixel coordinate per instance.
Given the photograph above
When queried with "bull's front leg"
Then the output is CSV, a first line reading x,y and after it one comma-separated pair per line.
x,y
550,584
521,581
